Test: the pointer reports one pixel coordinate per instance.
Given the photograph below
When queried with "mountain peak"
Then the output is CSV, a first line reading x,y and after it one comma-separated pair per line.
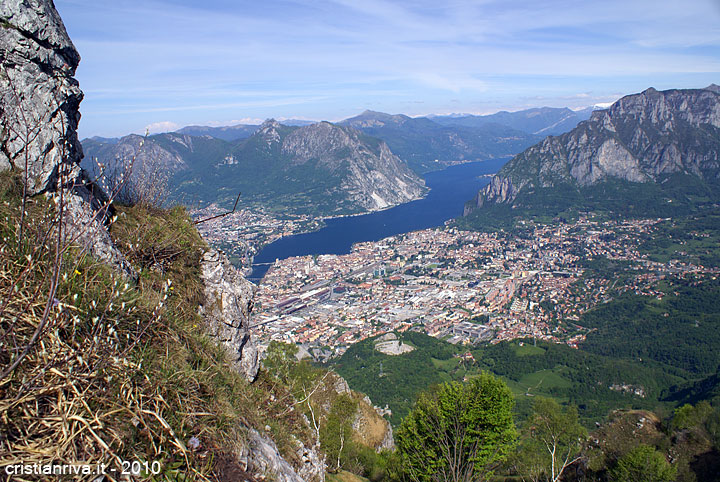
x,y
269,123
642,138
713,88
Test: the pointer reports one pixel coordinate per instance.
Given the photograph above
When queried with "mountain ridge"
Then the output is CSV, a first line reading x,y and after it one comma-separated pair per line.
x,y
321,167
426,145
642,138
537,120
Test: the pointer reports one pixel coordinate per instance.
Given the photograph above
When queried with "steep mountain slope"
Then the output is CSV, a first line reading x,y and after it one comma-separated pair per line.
x,y
150,360
334,168
169,152
320,168
540,121
420,141
657,148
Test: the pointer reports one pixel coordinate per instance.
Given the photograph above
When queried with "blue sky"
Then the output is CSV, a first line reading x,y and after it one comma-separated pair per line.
x,y
170,63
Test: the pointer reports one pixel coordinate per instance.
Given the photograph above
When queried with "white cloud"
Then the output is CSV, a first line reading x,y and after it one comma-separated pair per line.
x,y
162,126
234,122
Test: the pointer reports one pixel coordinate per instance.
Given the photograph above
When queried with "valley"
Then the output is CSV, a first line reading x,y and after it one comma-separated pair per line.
x,y
425,296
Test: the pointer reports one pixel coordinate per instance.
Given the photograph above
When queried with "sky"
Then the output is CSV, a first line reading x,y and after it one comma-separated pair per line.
x,y
164,64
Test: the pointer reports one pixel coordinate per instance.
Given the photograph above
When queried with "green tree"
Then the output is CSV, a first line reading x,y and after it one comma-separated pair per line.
x,y
336,431
458,432
552,440
280,359
687,416
643,464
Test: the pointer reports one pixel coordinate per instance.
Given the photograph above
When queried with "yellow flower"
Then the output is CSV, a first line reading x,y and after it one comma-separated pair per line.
x,y
77,272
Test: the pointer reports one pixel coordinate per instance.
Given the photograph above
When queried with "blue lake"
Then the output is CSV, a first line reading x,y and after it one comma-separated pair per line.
x,y
449,190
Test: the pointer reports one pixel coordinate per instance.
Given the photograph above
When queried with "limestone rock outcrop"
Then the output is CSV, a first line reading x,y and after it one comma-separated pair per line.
x,y
39,115
228,302
260,456
641,138
40,97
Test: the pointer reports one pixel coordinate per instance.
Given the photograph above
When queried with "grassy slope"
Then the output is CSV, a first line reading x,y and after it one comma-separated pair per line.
x,y
123,370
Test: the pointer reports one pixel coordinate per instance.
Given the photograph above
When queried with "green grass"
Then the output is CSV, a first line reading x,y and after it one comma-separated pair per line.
x,y
446,365
345,476
544,380
528,350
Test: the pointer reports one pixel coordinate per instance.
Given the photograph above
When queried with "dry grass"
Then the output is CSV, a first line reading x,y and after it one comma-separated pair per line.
x,y
372,427
80,394
120,370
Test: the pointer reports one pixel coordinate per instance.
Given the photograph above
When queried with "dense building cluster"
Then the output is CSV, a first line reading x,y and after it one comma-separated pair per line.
x,y
459,285
243,232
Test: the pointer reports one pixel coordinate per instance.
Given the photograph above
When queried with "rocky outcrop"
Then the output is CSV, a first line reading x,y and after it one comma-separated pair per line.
x,y
388,441
39,114
260,456
371,176
228,302
369,425
40,97
641,138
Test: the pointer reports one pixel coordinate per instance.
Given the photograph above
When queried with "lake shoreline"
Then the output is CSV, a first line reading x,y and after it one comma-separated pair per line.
x,y
449,189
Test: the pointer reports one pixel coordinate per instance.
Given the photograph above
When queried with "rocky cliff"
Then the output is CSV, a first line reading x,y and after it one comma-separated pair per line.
x,y
228,302
320,168
39,114
370,175
641,138
40,96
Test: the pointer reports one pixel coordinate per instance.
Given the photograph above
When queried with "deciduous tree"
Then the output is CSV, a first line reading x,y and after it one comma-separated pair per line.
x,y
458,432
643,464
554,437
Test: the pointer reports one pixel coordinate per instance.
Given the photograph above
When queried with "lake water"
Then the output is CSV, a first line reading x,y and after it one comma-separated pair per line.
x,y
449,190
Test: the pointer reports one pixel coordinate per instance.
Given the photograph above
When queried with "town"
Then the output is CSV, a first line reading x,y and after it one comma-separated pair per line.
x,y
465,287
461,286
242,233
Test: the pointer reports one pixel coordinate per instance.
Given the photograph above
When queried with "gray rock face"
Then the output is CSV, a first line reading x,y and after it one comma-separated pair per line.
x,y
313,465
261,457
372,178
40,97
84,227
228,302
640,138
388,442
39,102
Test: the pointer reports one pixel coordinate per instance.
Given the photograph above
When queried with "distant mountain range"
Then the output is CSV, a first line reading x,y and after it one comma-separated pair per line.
x,y
424,144
235,132
648,153
207,164
322,168
542,121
